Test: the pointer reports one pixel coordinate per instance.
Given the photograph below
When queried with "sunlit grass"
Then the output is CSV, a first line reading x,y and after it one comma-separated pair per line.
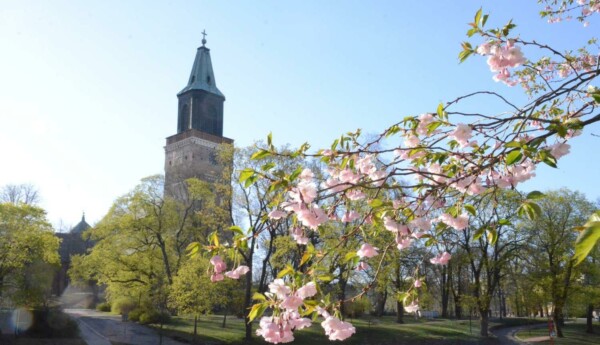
x,y
574,335
369,331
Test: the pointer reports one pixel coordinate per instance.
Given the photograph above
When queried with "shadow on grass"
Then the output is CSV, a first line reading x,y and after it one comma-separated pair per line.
x,y
380,331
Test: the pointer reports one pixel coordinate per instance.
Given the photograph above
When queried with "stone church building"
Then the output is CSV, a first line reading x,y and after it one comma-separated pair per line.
x,y
191,152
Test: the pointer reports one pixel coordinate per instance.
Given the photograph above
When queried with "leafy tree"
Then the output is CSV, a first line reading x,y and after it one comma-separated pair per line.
x,y
551,245
489,242
141,242
193,293
28,254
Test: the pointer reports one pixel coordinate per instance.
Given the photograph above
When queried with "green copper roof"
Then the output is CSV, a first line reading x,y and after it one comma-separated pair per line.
x,y
202,76
81,227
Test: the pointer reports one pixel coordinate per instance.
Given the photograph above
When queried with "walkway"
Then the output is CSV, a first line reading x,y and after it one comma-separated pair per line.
x,y
506,336
99,328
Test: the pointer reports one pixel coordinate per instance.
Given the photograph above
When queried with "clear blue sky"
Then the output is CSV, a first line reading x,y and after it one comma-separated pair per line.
x,y
88,89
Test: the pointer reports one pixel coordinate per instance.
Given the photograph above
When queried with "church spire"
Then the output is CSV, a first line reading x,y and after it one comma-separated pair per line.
x,y
202,76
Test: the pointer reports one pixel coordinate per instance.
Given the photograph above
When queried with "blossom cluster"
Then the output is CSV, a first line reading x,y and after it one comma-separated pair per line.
x,y
279,327
219,266
501,57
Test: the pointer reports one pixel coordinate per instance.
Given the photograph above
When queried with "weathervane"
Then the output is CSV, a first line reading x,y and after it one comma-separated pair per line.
x,y
203,37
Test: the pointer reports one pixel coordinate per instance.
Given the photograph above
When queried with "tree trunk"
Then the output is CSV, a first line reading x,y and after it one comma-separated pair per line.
x,y
248,292
590,314
446,281
484,321
399,312
558,321
224,319
342,294
381,299
195,328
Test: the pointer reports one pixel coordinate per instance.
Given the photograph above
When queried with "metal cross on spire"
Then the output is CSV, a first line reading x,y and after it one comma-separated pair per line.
x,y
203,37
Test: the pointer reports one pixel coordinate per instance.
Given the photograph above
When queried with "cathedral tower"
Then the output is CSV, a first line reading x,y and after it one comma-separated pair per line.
x,y
192,151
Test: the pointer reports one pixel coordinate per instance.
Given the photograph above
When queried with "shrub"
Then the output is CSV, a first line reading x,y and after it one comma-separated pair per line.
x,y
153,316
122,306
135,314
103,307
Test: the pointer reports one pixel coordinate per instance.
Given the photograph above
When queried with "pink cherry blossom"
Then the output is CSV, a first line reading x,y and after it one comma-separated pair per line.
x,y
411,141
273,331
412,307
559,150
238,272
312,217
216,277
355,194
462,133
350,216
336,329
362,266
308,290
291,302
417,283
367,251
298,236
279,288
403,242
441,259
277,214
218,263
458,223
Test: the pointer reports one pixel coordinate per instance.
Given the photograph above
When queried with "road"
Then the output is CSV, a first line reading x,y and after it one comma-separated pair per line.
x,y
98,328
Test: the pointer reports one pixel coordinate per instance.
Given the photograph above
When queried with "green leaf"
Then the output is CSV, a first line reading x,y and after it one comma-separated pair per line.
x,y
503,222
485,18
463,55
513,144
236,229
260,154
477,17
477,234
258,297
535,195
440,110
470,209
305,257
513,157
270,139
588,238
325,278
492,236
287,270
596,97
375,203
529,209
267,166
246,174
349,256
256,311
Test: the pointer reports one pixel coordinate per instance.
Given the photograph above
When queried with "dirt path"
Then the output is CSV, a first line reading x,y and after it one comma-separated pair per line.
x,y
99,328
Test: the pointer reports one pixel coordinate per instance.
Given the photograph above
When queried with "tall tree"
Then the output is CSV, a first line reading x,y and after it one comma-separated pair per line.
x,y
552,239
27,247
489,242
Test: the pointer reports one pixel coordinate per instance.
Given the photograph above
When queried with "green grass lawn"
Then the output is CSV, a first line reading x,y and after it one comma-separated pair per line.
x,y
368,331
574,335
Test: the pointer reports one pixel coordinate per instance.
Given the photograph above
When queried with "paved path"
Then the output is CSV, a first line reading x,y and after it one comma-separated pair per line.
x,y
506,336
99,328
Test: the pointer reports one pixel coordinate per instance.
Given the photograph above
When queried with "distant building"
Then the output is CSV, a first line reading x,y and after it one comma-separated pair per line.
x,y
72,243
192,151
